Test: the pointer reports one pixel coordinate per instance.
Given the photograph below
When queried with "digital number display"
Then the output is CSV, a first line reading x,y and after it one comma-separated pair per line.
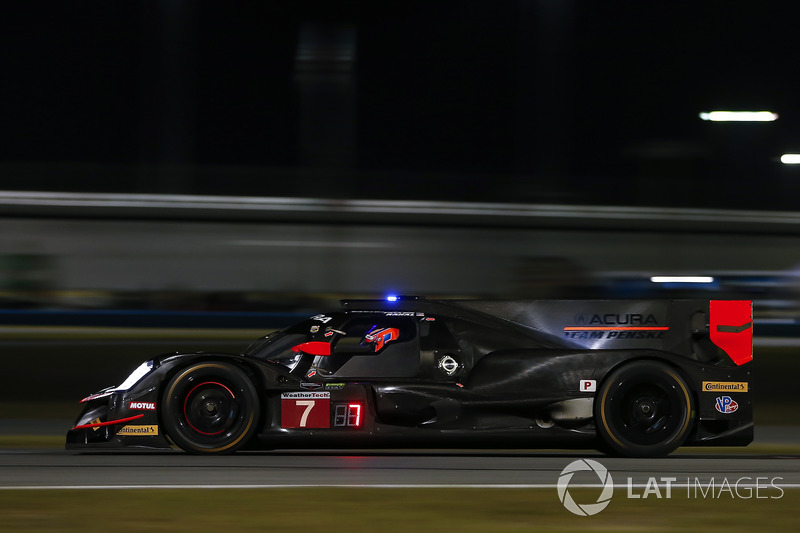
x,y
347,415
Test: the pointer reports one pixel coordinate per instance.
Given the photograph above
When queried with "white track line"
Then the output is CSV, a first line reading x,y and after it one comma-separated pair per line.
x,y
365,486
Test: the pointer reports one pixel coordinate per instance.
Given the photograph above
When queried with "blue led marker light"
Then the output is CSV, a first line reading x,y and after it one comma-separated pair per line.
x,y
391,298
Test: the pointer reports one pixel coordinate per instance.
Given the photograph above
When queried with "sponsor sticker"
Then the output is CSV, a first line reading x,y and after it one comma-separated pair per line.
x,y
142,406
726,405
334,386
306,409
588,385
139,431
725,386
620,326
448,365
305,395
616,319
310,386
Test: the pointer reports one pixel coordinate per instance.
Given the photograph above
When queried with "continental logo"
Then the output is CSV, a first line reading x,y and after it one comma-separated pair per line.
x,y
725,386
139,431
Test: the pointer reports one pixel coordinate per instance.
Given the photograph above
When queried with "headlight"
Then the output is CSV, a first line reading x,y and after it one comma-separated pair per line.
x,y
140,372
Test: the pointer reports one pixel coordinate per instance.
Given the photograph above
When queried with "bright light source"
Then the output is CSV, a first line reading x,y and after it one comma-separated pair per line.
x,y
682,279
140,372
391,298
790,159
739,116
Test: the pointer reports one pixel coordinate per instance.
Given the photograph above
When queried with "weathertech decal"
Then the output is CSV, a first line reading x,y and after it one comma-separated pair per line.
x,y
306,410
139,431
731,328
725,386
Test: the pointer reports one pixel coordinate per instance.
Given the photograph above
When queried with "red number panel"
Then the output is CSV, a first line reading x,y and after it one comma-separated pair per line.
x,y
306,410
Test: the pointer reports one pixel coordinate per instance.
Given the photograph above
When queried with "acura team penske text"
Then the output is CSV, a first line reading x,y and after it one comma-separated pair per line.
x,y
634,378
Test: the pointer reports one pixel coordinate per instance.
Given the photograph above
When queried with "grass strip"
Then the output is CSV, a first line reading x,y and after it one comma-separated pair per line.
x,y
387,510
31,442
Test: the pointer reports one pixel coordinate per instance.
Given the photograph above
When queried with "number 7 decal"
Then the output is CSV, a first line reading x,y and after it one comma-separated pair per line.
x,y
306,410
309,405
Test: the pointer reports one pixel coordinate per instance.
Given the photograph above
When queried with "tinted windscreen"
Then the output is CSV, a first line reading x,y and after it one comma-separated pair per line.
x,y
373,346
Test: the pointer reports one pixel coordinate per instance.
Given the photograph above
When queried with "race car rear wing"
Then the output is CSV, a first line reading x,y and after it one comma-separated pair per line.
x,y
705,330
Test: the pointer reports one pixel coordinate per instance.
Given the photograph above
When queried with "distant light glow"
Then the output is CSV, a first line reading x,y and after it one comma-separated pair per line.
x,y
790,159
391,298
739,116
682,279
311,244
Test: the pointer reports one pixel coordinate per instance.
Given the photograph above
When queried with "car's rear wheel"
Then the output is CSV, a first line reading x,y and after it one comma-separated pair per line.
x,y
644,409
210,408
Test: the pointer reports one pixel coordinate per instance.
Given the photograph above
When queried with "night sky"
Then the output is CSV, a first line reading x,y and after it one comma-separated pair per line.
x,y
527,101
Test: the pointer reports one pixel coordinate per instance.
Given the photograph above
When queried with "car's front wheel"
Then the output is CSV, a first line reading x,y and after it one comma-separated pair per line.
x,y
210,408
644,409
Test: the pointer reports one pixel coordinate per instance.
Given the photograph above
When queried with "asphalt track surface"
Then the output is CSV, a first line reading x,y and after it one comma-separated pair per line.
x,y
30,469
56,468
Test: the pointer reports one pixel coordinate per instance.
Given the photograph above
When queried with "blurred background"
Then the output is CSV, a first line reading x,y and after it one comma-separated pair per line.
x,y
171,164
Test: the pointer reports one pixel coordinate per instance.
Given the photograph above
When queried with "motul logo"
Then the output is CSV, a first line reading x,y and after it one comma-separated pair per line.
x,y
143,406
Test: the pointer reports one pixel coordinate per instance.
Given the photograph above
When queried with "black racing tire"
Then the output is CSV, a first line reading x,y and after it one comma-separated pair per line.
x,y
210,408
644,409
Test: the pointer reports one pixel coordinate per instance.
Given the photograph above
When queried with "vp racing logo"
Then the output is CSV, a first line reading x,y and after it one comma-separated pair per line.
x,y
585,509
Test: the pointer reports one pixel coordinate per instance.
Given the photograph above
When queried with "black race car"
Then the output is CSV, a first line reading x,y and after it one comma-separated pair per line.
x,y
636,378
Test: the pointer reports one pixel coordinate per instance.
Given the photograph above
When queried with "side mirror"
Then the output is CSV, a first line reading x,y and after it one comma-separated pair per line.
x,y
313,348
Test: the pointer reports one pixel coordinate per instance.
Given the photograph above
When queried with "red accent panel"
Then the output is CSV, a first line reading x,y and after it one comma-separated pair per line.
x,y
313,348
109,423
731,325
96,396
